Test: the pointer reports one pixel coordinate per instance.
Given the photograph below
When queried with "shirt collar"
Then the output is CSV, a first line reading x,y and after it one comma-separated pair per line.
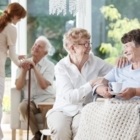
x,y
41,62
68,62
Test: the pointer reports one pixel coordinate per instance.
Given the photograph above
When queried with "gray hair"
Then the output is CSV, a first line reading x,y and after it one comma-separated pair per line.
x,y
48,45
74,35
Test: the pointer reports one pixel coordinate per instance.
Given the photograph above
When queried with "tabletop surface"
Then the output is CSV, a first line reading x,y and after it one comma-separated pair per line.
x,y
45,103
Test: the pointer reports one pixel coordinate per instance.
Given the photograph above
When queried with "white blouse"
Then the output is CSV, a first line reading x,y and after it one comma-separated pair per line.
x,y
73,90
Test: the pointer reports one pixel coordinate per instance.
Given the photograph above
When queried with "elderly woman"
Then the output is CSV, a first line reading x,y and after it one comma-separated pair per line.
x,y
75,76
129,75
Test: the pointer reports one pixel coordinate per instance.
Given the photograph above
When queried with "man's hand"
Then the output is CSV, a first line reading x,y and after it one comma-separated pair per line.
x,y
26,64
121,62
31,63
127,93
103,91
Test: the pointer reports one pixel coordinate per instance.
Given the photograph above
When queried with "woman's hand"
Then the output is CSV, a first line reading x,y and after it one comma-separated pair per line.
x,y
103,91
21,57
128,93
27,64
121,62
31,63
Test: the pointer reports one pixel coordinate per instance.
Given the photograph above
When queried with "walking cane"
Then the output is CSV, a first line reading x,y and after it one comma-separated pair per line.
x,y
28,107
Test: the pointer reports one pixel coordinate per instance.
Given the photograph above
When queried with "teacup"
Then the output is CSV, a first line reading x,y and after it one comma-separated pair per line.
x,y
116,86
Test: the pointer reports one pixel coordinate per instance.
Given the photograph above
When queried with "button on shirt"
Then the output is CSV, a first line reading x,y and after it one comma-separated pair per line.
x,y
46,68
72,87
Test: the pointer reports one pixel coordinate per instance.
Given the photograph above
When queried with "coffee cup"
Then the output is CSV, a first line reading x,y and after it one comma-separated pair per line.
x,y
116,86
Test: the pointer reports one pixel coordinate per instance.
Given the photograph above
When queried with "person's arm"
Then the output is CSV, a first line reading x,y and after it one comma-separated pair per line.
x,y
65,86
98,81
13,56
11,36
137,92
101,87
103,90
122,61
128,93
20,81
44,80
21,75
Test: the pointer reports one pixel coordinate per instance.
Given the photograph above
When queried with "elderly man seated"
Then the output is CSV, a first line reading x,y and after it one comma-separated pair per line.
x,y
129,75
42,76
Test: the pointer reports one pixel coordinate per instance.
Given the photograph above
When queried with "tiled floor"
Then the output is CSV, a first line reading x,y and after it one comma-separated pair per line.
x,y
8,135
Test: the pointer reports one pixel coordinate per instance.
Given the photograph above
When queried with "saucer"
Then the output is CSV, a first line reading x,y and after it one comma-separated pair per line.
x,y
114,93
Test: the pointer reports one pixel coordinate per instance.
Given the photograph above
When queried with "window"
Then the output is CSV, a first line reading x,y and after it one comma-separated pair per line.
x,y
39,22
109,23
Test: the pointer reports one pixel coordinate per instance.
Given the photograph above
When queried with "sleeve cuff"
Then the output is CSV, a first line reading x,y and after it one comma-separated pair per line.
x,y
88,88
94,88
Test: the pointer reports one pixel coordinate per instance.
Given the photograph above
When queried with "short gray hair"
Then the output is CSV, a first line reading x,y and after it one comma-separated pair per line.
x,y
74,35
48,45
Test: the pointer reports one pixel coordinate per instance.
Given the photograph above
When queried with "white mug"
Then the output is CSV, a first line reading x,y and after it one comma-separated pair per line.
x,y
116,86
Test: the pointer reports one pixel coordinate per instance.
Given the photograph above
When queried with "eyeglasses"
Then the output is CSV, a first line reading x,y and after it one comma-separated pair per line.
x,y
87,44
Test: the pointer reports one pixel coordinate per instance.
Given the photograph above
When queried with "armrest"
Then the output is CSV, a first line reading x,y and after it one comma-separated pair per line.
x,y
15,116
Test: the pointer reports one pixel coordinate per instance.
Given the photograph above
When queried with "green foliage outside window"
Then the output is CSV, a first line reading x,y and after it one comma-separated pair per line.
x,y
40,22
1,12
53,27
118,25
6,103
